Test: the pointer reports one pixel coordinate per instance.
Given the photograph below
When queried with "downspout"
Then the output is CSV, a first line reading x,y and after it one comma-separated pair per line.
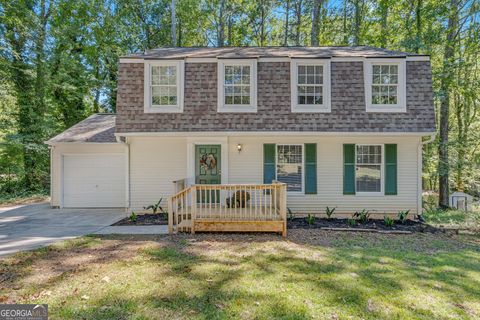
x,y
51,149
420,171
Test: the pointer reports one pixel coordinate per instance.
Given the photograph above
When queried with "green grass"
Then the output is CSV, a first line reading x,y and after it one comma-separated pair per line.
x,y
22,197
453,218
313,275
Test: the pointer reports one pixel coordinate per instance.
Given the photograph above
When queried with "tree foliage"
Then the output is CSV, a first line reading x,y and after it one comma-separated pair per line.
x,y
58,62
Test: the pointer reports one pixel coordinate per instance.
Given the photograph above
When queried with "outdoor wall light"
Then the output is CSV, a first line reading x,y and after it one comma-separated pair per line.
x,y
239,147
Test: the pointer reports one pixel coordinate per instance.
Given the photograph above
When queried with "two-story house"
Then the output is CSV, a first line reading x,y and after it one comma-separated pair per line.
x,y
341,126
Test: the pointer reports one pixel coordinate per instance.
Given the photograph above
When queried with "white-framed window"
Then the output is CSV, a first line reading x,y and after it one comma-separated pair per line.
x,y
369,169
164,86
385,85
237,85
310,83
289,166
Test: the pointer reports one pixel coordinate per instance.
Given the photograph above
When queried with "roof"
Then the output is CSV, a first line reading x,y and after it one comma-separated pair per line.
x,y
99,127
267,52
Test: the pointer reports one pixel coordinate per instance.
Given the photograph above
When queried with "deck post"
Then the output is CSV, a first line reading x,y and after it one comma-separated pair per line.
x,y
283,204
170,216
193,206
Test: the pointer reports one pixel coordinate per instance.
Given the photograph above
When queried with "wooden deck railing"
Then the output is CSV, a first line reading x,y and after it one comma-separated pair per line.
x,y
244,204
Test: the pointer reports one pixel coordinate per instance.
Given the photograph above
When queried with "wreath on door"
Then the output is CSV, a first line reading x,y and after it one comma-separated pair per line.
x,y
208,161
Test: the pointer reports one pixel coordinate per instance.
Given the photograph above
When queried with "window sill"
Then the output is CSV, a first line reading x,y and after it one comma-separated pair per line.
x,y
386,108
369,194
237,109
310,109
163,109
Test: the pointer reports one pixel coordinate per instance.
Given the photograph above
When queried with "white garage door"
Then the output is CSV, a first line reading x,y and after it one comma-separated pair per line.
x,y
94,180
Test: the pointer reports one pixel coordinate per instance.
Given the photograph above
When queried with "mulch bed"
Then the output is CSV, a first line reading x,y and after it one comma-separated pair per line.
x,y
374,225
147,219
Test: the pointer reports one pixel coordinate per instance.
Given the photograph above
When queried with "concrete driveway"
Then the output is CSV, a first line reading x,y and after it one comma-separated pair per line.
x,y
37,225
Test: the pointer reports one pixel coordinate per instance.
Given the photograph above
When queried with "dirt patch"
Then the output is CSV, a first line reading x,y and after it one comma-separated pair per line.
x,y
147,219
323,223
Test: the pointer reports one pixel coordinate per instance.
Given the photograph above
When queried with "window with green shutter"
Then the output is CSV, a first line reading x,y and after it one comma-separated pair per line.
x,y
390,169
348,169
268,163
310,168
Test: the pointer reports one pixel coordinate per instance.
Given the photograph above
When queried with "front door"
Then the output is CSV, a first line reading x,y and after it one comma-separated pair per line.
x,y
208,169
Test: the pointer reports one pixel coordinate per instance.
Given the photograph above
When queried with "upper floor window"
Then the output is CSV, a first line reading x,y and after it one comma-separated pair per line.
x,y
385,85
164,86
237,86
310,82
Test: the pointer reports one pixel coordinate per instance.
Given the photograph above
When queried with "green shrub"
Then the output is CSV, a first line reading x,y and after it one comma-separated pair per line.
x,y
133,217
389,222
310,219
362,216
329,212
351,222
403,215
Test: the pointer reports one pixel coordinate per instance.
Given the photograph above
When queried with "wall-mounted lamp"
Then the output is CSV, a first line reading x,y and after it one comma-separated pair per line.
x,y
239,147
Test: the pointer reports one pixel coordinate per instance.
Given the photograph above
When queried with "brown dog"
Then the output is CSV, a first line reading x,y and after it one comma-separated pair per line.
x,y
238,200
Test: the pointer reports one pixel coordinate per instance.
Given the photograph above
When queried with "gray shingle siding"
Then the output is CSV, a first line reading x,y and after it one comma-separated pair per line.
x,y
274,111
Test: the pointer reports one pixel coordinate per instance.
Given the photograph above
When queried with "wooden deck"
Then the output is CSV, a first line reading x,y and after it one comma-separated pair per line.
x,y
225,208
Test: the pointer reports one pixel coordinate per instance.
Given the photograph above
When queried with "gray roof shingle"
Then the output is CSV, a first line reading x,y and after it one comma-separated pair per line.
x,y
266,52
98,128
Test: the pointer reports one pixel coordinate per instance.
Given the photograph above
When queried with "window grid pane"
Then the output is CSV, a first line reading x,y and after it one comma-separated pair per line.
x,y
237,85
290,166
310,84
384,84
164,85
368,168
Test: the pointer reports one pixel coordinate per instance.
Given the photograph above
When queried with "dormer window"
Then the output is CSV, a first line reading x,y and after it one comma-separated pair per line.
x,y
310,82
237,89
385,85
163,86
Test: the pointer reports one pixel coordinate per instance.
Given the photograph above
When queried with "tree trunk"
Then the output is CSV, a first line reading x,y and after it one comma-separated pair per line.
x,y
298,13
262,23
448,57
221,25
287,11
345,31
357,22
418,22
174,24
383,23
317,5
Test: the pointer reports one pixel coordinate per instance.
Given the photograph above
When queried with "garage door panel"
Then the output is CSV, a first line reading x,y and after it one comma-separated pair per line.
x,y
94,180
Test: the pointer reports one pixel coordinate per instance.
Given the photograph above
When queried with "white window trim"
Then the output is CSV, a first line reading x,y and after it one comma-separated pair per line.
x,y
241,108
401,105
326,106
382,178
303,165
148,107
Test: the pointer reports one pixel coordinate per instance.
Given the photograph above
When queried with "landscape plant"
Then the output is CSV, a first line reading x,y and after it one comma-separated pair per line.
x,y
402,216
310,219
133,217
156,207
388,221
362,216
329,212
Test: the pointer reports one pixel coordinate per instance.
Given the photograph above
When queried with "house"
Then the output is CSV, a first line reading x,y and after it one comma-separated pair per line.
x,y
340,126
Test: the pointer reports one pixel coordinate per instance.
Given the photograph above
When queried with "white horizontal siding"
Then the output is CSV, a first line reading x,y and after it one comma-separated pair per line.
x,y
157,161
154,164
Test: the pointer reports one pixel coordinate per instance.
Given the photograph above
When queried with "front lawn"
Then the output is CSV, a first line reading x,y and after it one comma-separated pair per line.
x,y
313,274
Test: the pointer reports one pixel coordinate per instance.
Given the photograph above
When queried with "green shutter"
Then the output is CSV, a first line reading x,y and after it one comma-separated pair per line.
x,y
348,169
390,169
268,163
310,168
